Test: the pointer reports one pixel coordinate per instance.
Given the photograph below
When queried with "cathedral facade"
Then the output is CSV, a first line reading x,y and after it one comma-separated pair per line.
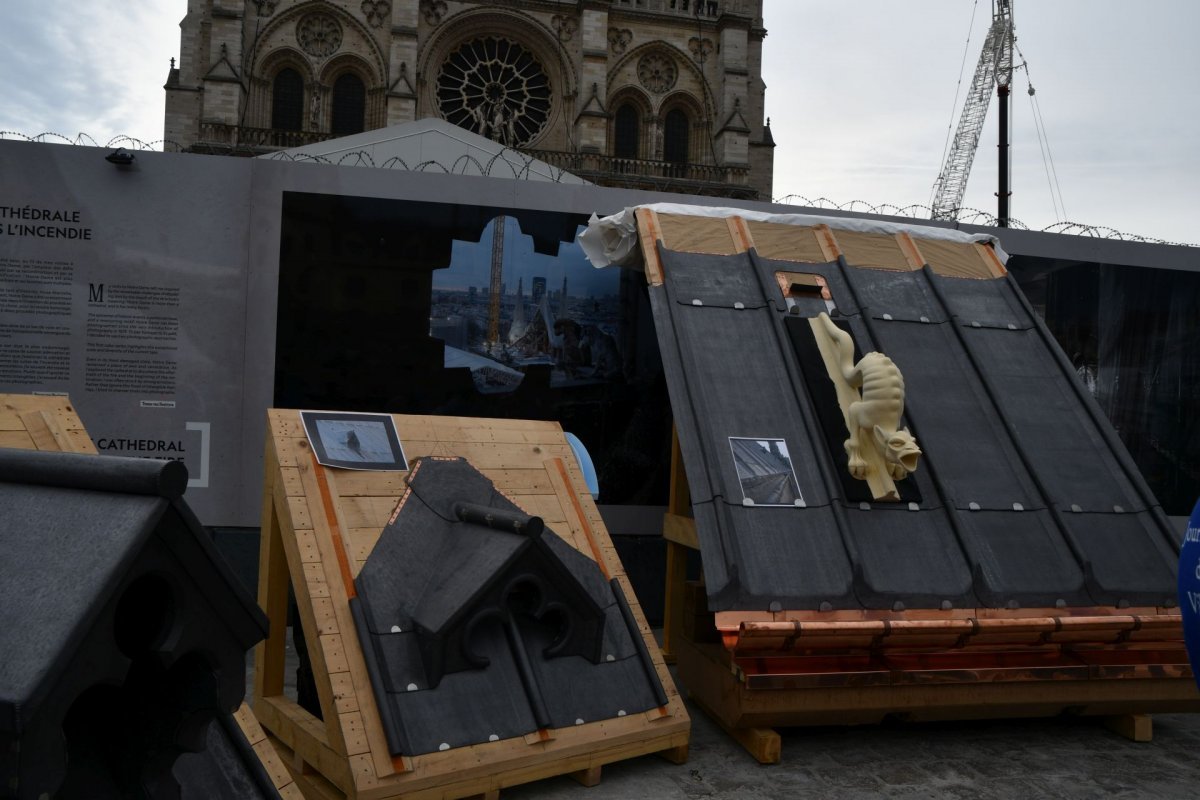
x,y
655,94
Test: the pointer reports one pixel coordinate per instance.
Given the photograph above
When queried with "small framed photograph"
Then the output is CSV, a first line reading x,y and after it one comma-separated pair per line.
x,y
354,441
765,472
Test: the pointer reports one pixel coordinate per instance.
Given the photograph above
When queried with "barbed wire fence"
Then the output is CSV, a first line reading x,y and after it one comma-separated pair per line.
x,y
973,216
516,165
507,163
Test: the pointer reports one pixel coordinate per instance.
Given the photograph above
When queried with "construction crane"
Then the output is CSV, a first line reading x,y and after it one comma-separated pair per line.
x,y
493,332
995,67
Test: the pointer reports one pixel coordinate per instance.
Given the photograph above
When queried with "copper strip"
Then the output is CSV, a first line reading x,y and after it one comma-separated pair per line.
x,y
954,634
335,531
597,555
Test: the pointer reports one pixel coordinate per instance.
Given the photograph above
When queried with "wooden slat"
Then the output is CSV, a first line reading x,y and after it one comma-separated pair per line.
x,y
1134,727
18,439
305,735
649,234
311,580
342,652
912,253
828,242
273,583
578,523
739,231
681,530
48,431
256,737
991,260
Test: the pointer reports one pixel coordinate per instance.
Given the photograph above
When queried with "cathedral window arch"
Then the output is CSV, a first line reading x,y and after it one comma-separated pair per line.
x,y
627,125
683,127
287,100
677,136
630,130
348,110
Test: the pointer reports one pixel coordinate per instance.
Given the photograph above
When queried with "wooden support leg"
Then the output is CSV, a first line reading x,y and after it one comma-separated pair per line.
x,y
673,599
586,777
762,743
676,755
1134,727
273,581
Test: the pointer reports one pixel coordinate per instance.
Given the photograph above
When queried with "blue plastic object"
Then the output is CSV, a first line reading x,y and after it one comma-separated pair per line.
x,y
585,464
1189,589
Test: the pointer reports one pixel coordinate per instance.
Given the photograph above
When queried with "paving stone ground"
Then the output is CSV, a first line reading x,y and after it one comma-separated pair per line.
x,y
1009,759
1064,758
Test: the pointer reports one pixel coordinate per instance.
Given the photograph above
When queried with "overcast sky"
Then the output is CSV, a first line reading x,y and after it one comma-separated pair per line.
x,y
859,93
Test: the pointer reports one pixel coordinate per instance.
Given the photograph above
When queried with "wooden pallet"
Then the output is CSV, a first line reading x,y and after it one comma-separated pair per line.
x,y
34,422
318,527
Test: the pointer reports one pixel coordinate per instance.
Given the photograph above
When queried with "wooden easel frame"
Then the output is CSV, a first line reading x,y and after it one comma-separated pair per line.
x,y
318,527
1154,679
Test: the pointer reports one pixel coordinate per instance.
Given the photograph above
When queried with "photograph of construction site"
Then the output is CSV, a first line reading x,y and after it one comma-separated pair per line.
x,y
500,307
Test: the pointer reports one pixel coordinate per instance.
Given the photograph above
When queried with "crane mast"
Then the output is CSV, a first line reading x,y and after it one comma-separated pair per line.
x,y
493,332
995,67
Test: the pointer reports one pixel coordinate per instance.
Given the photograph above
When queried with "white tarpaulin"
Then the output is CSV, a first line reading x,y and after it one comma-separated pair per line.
x,y
613,240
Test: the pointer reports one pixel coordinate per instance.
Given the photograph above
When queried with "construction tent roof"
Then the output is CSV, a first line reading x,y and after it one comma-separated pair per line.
x,y
428,145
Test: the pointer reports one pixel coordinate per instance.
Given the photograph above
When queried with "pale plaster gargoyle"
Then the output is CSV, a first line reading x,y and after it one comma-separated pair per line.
x,y
873,420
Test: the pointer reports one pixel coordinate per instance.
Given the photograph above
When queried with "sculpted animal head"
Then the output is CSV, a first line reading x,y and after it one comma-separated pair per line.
x,y
899,449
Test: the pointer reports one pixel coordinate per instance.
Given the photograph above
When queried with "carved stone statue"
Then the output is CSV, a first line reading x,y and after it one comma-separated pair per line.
x,y
873,421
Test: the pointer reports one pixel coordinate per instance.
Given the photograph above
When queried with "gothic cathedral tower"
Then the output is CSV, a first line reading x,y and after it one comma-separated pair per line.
x,y
661,94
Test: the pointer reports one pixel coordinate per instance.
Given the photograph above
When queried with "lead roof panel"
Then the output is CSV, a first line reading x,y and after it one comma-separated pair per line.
x,y
1010,445
485,627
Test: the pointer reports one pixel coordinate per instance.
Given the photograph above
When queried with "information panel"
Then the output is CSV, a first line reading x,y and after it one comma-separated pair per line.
x,y
124,288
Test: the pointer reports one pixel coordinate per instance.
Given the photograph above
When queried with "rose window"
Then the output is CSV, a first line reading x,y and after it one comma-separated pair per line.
x,y
496,88
319,35
657,72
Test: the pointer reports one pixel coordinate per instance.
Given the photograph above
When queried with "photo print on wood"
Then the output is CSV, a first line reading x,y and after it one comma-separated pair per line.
x,y
354,441
765,472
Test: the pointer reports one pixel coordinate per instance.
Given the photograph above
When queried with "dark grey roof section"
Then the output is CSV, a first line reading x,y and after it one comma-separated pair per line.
x,y
1026,498
226,767
122,629
478,623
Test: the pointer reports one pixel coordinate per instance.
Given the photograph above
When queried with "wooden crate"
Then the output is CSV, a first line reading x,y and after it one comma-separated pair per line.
x,y
318,527
34,422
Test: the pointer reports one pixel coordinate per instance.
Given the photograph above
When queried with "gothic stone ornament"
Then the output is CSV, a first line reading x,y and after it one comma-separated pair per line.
x,y
700,48
376,11
433,10
619,39
319,34
496,88
564,26
657,72
266,7
873,421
